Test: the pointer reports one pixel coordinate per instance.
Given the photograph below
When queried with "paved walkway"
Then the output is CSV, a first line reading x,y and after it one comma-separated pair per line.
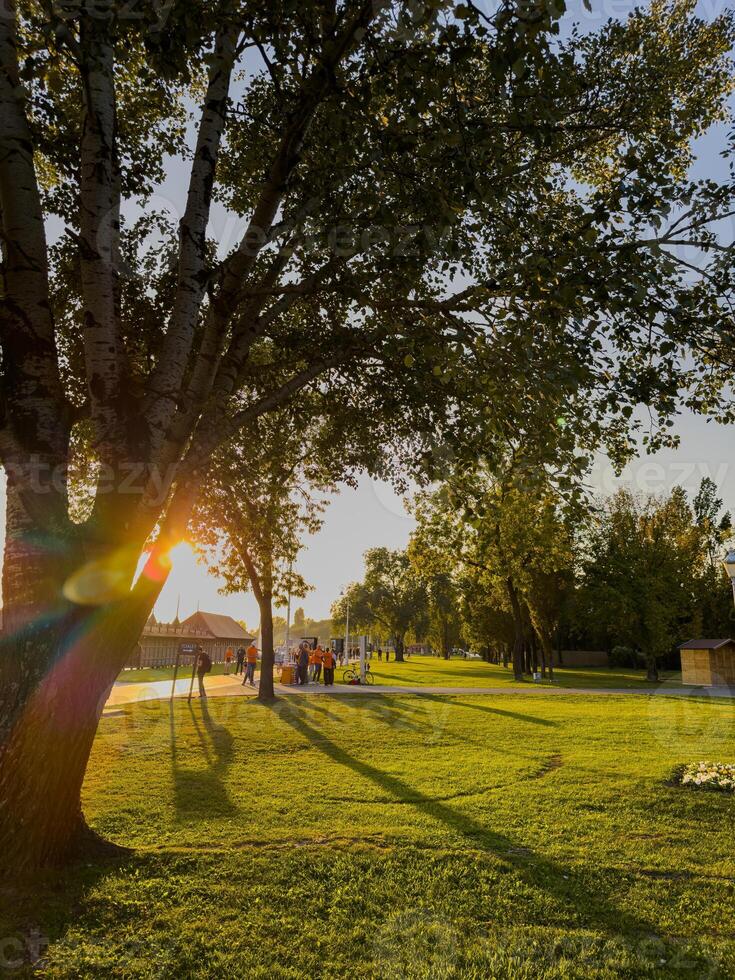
x,y
220,685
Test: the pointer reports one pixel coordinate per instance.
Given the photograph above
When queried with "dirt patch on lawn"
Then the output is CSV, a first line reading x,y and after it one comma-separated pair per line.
x,y
553,762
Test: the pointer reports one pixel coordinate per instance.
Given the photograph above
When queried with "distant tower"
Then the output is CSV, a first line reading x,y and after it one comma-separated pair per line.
x,y
177,621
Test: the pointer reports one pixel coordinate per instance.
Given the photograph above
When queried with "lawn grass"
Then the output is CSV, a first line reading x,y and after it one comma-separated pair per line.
x,y
436,672
145,675
398,837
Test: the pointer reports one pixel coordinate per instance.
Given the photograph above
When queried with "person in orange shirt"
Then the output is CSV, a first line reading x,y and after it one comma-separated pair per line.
x,y
328,661
251,657
318,661
228,659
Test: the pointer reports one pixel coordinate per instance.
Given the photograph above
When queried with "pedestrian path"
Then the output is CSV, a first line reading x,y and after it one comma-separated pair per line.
x,y
125,692
230,686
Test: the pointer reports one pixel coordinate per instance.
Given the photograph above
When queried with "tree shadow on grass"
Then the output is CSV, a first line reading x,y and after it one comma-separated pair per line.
x,y
407,717
398,718
36,910
577,893
200,791
502,712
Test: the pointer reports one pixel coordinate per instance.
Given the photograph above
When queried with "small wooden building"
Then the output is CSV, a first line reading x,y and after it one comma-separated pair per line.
x,y
709,663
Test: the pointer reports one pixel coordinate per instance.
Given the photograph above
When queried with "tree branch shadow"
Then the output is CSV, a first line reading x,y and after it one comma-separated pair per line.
x,y
561,882
200,792
502,712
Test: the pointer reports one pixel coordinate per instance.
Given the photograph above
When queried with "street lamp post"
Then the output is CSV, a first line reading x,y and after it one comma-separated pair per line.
x,y
729,562
347,634
288,615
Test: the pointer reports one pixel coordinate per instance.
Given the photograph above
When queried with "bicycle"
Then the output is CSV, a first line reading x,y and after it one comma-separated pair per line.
x,y
351,675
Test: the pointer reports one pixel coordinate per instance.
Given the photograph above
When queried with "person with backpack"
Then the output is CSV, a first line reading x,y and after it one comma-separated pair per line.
x,y
204,665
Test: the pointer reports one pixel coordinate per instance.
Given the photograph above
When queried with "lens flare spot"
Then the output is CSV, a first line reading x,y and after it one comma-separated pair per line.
x,y
100,581
156,565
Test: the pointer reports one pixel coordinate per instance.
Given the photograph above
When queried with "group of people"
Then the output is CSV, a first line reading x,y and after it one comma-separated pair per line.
x,y
310,664
245,662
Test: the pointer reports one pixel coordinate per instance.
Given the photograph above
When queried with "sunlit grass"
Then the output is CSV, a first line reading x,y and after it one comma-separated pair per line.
x,y
436,672
400,837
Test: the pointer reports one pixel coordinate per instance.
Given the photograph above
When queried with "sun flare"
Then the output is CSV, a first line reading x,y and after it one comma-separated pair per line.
x,y
181,553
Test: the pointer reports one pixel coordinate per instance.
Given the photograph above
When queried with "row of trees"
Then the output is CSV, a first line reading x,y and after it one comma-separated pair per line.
x,y
519,571
442,210
650,574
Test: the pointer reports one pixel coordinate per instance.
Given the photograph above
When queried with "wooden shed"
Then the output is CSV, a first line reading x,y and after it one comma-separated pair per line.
x,y
710,663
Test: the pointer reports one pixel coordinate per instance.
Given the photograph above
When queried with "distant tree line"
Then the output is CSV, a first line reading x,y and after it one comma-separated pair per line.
x,y
520,571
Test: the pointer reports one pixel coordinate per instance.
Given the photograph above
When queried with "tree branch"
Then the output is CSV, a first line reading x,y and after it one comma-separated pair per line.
x,y
193,274
99,223
315,88
34,398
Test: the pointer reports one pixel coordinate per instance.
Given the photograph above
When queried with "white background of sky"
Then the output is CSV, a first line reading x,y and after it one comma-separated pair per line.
x,y
372,515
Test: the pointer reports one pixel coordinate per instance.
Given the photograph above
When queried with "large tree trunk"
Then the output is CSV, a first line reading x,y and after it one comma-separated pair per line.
x,y
544,636
400,648
35,566
519,630
70,621
445,638
533,651
44,756
262,586
266,692
547,651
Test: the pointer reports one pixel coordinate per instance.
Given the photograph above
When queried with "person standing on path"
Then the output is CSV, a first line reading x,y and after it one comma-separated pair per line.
x,y
303,663
240,665
328,661
318,661
204,665
251,655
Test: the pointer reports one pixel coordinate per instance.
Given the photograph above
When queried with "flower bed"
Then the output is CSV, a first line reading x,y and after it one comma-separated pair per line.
x,y
718,776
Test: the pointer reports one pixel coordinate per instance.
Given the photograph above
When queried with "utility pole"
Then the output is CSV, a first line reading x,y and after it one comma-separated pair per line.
x,y
347,634
288,613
